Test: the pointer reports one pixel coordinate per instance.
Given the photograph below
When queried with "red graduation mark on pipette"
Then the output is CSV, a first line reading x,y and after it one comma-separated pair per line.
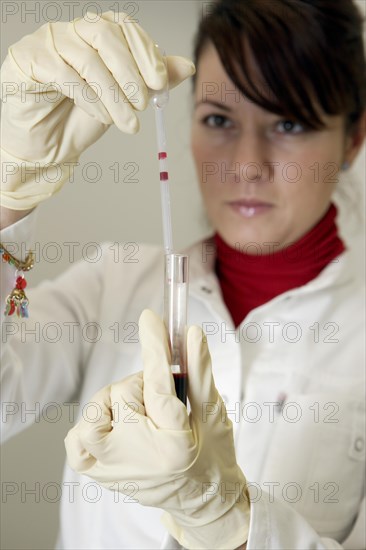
x,y
163,173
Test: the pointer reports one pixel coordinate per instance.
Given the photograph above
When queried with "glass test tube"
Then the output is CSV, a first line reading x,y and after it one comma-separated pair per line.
x,y
175,317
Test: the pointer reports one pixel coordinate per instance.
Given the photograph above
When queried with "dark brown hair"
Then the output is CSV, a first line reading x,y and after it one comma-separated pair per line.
x,y
309,52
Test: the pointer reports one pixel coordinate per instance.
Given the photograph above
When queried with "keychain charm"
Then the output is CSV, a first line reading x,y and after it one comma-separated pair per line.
x,y
17,301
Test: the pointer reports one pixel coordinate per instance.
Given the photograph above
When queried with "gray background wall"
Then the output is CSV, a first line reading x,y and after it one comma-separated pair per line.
x,y
86,212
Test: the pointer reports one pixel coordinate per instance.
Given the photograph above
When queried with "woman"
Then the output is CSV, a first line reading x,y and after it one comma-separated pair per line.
x,y
276,270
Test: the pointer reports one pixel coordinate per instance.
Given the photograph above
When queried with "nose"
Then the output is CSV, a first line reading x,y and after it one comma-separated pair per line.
x,y
248,160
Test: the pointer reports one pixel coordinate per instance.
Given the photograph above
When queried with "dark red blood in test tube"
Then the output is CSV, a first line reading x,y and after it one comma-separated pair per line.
x,y
180,382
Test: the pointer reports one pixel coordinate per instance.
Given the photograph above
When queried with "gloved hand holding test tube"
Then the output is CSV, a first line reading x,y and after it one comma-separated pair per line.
x,y
176,265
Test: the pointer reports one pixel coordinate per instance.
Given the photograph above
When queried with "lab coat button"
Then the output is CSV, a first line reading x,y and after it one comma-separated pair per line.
x,y
359,444
205,289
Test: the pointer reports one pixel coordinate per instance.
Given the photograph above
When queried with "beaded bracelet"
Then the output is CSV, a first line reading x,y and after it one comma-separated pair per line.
x,y
17,302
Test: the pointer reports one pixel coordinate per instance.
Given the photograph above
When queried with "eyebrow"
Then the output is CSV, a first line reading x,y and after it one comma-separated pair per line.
x,y
213,103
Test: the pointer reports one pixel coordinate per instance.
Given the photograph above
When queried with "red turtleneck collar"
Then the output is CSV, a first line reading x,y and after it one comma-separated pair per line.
x,y
248,281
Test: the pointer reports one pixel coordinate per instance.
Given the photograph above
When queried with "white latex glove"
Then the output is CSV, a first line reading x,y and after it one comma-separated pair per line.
x,y
183,464
62,87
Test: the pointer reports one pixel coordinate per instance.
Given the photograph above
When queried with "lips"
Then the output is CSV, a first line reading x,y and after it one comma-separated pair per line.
x,y
248,208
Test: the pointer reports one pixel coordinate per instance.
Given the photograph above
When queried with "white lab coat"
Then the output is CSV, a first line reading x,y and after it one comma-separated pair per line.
x,y
292,376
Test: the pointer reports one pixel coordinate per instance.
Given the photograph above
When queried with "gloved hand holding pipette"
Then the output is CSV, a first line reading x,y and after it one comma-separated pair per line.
x,y
63,86
185,465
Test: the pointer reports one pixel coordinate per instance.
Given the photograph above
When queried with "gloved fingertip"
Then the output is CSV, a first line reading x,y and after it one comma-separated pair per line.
x,y
185,65
157,81
179,69
95,110
201,385
78,458
130,126
143,100
148,316
134,126
103,118
153,338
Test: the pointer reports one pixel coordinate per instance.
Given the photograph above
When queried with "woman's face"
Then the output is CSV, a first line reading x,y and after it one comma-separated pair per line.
x,y
264,179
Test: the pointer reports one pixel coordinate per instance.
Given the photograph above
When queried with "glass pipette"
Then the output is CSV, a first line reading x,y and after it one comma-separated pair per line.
x,y
159,101
176,265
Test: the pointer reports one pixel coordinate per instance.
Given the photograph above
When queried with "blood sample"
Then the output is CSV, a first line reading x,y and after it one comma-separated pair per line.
x,y
175,306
